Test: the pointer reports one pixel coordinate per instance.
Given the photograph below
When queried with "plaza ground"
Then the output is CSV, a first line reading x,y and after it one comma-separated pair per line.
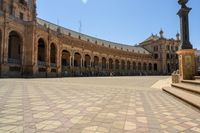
x,y
93,105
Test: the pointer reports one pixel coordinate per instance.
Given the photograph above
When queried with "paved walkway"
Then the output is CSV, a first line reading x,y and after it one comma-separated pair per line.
x,y
93,105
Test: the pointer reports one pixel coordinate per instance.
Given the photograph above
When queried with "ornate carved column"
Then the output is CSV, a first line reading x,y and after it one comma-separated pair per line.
x,y
186,52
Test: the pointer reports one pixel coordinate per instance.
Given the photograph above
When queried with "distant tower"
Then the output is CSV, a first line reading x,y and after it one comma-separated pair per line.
x,y
161,33
177,36
22,9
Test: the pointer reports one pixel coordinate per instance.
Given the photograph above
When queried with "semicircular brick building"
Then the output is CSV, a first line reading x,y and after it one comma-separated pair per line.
x,y
32,47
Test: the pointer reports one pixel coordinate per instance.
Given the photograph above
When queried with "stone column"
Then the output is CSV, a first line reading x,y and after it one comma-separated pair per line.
x,y
186,52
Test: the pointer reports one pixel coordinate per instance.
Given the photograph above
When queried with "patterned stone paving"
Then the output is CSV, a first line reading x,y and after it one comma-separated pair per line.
x,y
93,105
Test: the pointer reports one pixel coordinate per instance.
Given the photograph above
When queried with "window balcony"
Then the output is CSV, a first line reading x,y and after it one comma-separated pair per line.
x,y
14,61
53,65
41,63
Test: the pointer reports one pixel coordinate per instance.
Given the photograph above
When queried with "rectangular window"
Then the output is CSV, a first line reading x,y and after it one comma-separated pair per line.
x,y
21,15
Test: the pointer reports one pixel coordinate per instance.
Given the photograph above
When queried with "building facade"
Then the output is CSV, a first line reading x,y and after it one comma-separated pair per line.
x,y
32,47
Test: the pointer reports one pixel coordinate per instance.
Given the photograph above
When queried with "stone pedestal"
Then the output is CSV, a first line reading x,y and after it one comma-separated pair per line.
x,y
186,64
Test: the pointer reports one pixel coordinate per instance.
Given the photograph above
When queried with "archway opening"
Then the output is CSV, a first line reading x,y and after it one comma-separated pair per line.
x,y
117,64
96,62
150,67
14,48
65,58
139,66
41,52
128,65
134,66
155,67
87,61
123,64
53,55
103,63
144,66
168,68
77,60
110,64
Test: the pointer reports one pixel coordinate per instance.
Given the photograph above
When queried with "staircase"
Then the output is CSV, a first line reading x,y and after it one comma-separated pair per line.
x,y
186,90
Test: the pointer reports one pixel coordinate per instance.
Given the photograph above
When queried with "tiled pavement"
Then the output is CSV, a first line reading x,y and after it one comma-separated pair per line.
x,y
92,105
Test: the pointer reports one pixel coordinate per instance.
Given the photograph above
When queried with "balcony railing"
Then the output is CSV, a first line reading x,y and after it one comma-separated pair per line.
x,y
41,63
14,61
53,65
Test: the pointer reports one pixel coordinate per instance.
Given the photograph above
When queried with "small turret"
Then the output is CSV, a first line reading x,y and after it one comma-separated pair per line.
x,y
161,33
177,36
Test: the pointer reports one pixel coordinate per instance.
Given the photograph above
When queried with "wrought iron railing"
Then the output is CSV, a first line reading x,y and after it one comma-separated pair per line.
x,y
41,63
53,65
14,61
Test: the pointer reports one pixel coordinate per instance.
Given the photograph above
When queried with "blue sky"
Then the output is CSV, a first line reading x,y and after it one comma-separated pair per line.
x,y
123,21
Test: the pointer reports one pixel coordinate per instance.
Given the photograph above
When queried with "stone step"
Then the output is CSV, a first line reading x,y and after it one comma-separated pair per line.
x,y
186,96
197,77
188,87
194,82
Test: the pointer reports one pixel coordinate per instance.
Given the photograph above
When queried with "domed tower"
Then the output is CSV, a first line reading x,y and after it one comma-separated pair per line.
x,y
22,9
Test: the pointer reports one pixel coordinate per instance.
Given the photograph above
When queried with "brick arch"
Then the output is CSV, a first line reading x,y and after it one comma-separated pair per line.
x,y
15,47
87,60
128,65
41,50
110,63
65,58
53,53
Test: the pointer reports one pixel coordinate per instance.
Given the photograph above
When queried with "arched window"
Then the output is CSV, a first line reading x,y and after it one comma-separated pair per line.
x,y
41,50
123,64
134,66
139,66
116,64
14,48
155,56
96,61
103,63
53,54
77,60
144,66
87,61
128,65
150,67
110,64
65,58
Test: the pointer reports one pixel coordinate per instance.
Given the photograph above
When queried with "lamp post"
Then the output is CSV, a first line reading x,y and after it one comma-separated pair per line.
x,y
186,52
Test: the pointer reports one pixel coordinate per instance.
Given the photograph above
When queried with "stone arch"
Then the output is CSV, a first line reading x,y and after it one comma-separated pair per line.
x,y
110,64
117,64
65,58
139,66
87,61
150,67
103,63
14,48
96,61
128,65
77,59
144,66
155,67
41,52
134,65
53,54
123,65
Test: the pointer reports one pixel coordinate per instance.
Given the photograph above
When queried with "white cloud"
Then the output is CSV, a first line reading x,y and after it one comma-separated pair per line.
x,y
84,1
